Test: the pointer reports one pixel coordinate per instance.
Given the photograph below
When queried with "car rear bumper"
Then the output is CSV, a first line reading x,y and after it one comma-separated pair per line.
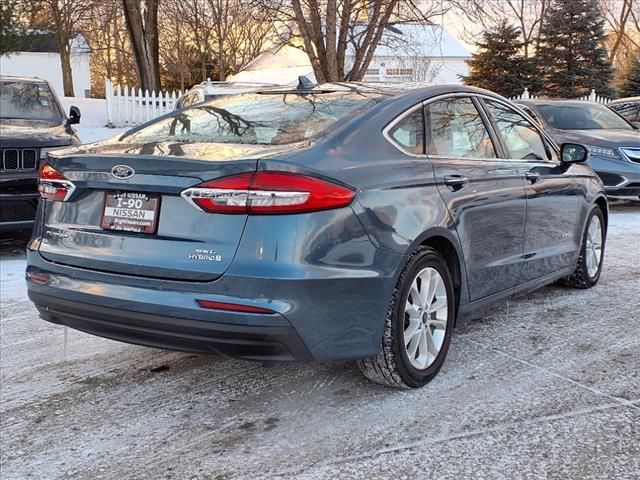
x,y
250,342
321,319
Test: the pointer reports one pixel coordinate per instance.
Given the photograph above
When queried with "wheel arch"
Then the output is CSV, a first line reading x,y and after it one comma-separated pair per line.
x,y
604,206
445,245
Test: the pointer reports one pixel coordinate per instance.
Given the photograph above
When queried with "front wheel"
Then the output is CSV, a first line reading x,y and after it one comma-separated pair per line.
x,y
589,267
418,324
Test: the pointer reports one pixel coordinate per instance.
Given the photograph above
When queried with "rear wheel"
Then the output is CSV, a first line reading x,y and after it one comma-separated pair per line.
x,y
418,324
589,265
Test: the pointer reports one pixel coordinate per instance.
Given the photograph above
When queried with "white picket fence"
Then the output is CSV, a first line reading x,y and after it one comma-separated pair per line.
x,y
128,107
592,97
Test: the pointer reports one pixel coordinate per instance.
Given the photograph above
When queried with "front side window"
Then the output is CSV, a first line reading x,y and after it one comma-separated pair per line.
x,y
257,118
455,128
408,133
521,138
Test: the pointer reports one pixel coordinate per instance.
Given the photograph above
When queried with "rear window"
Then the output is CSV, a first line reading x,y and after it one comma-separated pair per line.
x,y
582,117
28,101
630,111
258,119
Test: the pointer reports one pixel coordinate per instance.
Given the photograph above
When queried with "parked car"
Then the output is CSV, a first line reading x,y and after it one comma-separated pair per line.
x,y
208,90
613,143
629,108
332,223
32,123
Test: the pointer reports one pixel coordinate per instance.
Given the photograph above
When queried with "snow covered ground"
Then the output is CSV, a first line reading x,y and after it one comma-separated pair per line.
x,y
93,119
90,134
547,386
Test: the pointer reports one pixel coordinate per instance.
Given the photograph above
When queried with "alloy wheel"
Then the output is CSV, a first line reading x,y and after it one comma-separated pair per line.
x,y
593,247
425,318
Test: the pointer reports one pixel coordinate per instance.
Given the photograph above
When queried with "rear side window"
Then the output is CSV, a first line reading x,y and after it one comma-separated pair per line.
x,y
408,133
520,136
454,128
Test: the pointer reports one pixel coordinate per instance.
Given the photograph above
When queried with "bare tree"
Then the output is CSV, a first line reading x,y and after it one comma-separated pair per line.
x,y
111,55
246,35
241,29
65,17
193,28
341,36
527,15
141,17
619,16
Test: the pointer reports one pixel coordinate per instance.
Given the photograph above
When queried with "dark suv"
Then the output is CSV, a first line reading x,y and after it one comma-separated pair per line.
x,y
32,123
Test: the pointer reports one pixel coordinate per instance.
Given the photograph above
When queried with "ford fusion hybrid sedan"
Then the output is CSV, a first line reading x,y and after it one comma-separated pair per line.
x,y
339,222
613,142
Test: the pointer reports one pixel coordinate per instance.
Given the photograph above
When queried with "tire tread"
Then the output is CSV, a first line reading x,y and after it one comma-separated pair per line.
x,y
382,368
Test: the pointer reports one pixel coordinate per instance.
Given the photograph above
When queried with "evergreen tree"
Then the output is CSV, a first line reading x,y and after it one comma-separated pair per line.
x,y
571,56
9,34
630,86
498,64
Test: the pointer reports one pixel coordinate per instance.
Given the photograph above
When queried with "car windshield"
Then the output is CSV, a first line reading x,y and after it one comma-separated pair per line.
x,y
582,117
28,101
270,118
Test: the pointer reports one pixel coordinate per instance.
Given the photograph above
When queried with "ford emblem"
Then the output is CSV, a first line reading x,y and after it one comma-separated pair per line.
x,y
123,172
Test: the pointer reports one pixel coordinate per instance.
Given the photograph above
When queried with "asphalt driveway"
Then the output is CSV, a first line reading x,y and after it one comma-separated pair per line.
x,y
547,386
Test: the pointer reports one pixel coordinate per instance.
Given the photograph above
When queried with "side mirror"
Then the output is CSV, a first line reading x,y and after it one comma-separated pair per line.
x,y
573,153
74,115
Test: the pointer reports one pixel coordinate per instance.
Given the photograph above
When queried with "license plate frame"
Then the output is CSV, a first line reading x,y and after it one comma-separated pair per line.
x,y
135,212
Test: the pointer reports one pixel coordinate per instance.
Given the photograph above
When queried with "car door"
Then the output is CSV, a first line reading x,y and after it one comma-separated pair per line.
x,y
483,192
551,237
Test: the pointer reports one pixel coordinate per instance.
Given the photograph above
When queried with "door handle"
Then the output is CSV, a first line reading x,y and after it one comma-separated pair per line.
x,y
533,177
455,182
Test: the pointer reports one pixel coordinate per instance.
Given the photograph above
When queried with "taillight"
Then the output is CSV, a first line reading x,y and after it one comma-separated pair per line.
x,y
52,185
268,193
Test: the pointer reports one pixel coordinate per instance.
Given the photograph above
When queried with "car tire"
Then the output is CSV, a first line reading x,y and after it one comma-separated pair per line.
x,y
589,267
423,315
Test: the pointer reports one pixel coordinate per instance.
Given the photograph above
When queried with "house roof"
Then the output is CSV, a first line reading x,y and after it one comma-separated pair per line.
x,y
419,40
284,64
46,42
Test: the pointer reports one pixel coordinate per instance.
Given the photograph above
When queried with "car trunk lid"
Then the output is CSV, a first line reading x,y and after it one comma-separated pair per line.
x,y
183,244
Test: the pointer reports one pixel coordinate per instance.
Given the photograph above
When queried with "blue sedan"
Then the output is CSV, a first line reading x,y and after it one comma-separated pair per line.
x,y
328,223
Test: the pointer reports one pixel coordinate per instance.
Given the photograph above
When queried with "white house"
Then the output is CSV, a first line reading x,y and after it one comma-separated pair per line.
x,y
407,52
41,58
418,53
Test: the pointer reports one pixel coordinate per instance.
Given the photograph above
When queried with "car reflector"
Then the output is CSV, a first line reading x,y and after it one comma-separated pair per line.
x,y
35,277
233,307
